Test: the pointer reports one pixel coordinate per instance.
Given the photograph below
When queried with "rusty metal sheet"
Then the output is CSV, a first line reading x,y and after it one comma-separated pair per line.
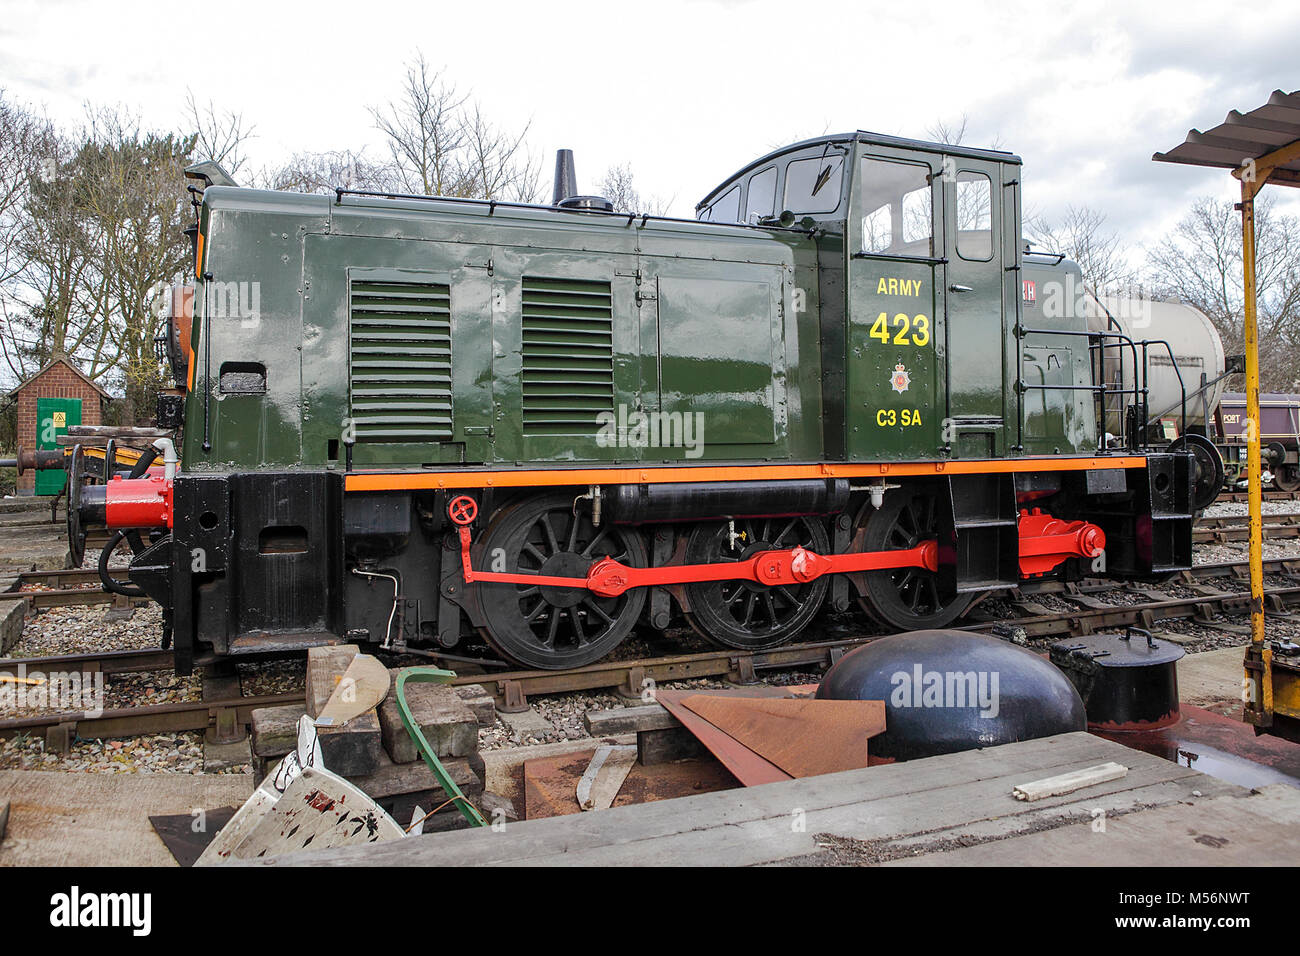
x,y
750,768
802,737
550,783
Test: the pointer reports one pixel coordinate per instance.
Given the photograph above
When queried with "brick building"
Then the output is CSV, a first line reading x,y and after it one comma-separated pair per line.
x,y
59,379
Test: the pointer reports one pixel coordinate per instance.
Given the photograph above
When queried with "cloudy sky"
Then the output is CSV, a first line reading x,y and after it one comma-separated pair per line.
x,y
686,92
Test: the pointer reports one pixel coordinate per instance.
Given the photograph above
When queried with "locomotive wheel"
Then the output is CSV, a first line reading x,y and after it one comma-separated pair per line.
x,y
909,599
746,614
555,627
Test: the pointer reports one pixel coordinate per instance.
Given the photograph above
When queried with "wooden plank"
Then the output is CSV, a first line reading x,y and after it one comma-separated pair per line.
x,y
628,720
757,825
275,729
604,776
1239,829
1068,782
97,819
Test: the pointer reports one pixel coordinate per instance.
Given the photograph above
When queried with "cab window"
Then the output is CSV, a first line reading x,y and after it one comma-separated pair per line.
x,y
726,209
897,209
760,202
974,216
813,185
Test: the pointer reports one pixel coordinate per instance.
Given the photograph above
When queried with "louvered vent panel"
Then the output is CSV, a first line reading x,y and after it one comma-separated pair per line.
x,y
568,360
400,356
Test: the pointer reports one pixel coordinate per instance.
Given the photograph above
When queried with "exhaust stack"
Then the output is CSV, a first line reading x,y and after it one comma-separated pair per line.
x,y
566,177
565,195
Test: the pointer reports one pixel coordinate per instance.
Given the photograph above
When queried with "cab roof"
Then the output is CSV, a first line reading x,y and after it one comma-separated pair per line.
x,y
862,136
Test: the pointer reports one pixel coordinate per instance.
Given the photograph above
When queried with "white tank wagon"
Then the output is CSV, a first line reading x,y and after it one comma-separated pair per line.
x,y
1194,352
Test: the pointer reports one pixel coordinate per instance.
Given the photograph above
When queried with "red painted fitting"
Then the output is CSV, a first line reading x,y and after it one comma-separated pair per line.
x,y
138,502
1046,541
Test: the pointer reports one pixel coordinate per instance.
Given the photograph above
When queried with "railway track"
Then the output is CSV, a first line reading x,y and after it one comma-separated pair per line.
x,y
1218,529
79,586
1270,494
1087,614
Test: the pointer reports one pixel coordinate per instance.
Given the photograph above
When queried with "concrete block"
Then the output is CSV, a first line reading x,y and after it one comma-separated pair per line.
x,y
275,730
13,614
528,723
218,757
480,703
447,723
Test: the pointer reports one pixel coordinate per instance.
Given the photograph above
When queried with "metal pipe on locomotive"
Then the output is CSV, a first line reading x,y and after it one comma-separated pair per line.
x,y
415,420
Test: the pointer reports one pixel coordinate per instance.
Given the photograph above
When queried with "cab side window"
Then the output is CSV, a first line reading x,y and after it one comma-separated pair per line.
x,y
974,216
727,208
813,185
761,199
897,209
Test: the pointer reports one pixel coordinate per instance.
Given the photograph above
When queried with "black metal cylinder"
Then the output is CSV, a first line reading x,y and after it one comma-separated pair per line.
x,y
92,506
702,500
1128,682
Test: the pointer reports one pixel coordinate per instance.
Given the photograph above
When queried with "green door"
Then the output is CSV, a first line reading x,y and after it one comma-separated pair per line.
x,y
976,339
895,332
53,416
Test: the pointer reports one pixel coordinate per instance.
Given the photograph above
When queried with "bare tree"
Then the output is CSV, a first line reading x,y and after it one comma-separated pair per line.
x,y
619,187
24,140
424,132
323,172
440,144
498,163
1081,235
948,132
1200,263
220,137
44,302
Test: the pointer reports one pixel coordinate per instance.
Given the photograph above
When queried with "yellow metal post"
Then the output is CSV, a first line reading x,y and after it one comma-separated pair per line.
x,y
1257,678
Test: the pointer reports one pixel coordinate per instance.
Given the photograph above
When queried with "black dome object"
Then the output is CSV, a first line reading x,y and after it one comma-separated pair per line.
x,y
947,691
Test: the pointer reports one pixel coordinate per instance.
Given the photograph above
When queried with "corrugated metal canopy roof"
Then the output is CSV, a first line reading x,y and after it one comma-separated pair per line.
x,y
1244,136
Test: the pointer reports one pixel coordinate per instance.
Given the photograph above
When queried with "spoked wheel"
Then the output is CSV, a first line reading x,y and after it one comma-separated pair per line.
x,y
556,627
909,599
745,614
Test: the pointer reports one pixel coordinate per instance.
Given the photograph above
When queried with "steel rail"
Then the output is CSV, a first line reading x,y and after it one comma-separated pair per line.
x,y
153,719
631,676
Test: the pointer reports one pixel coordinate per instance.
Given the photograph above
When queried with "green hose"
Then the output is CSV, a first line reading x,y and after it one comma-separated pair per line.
x,y
433,675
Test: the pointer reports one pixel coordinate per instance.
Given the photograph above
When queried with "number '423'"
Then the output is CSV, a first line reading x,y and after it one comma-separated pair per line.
x,y
906,329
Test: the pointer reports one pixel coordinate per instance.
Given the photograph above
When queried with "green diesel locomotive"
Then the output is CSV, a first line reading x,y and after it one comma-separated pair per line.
x,y
408,419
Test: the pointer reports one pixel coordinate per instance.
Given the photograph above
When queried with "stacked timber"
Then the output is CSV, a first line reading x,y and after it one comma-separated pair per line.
x,y
374,751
